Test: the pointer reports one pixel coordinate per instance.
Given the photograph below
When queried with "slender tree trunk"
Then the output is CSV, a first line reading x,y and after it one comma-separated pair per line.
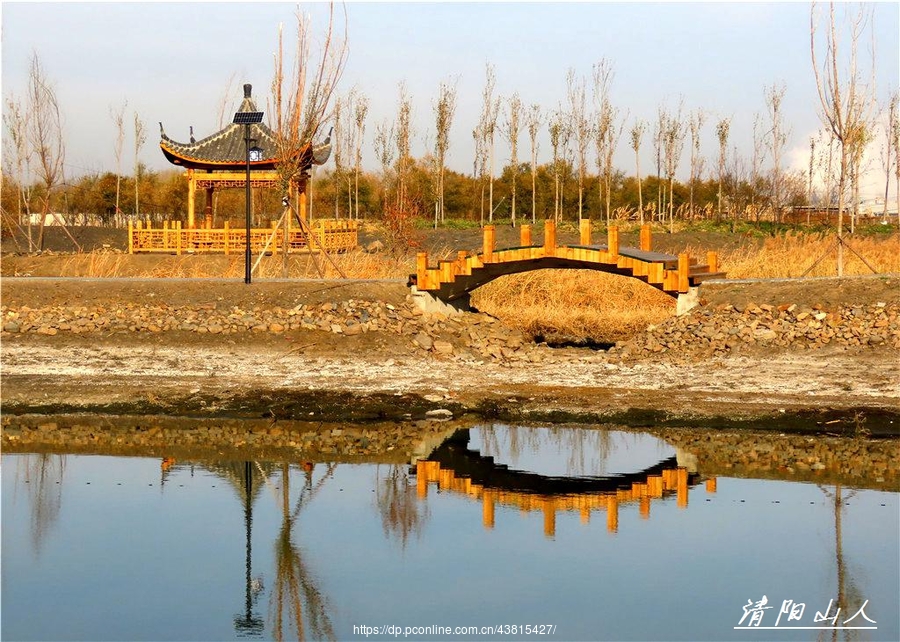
x,y
840,227
637,167
491,186
556,198
533,192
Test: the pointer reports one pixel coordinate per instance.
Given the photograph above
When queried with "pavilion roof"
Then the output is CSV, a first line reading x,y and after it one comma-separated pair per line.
x,y
225,150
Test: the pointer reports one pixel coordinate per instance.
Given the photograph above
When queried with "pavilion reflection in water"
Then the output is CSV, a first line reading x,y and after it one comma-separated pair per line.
x,y
454,467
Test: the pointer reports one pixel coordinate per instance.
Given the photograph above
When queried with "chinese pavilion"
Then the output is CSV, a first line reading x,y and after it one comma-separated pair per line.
x,y
220,161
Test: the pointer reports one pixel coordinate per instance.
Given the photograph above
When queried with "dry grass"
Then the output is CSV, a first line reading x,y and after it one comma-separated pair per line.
x,y
574,303
354,265
790,255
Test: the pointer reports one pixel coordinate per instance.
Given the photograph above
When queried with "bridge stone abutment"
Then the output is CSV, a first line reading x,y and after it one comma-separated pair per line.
x,y
427,302
687,301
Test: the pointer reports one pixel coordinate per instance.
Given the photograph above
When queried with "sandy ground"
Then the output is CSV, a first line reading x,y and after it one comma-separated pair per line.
x,y
573,384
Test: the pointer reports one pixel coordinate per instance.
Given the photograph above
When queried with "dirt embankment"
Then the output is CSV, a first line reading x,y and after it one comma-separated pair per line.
x,y
361,351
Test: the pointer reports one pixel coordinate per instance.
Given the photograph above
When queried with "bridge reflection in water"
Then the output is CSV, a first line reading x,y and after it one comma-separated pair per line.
x,y
454,467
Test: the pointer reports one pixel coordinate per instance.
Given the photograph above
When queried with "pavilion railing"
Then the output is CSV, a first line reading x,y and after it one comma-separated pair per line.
x,y
172,238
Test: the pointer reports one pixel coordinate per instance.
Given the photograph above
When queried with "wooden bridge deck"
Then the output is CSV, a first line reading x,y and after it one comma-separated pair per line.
x,y
455,278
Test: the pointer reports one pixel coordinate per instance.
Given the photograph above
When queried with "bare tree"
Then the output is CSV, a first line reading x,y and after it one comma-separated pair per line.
x,y
756,164
118,118
490,111
857,154
533,121
339,146
695,122
825,162
402,138
384,151
844,99
659,132
637,133
809,175
45,136
673,144
580,127
889,150
895,137
512,126
360,111
558,138
18,159
607,129
140,137
479,166
303,101
777,141
722,130
226,102
443,119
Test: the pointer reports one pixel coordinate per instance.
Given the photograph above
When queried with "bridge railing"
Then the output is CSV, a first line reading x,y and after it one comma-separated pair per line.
x,y
657,486
673,274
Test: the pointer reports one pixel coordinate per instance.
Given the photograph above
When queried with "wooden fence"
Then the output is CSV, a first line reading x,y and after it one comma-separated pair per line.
x,y
172,238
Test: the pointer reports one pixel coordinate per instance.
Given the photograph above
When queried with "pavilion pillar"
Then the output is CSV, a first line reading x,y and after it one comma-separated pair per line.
x,y
208,211
192,190
301,198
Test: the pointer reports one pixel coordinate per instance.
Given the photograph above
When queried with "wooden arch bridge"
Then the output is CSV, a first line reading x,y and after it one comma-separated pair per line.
x,y
452,467
452,280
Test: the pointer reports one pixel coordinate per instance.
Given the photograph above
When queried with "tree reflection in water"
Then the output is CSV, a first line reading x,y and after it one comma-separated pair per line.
x,y
42,475
295,590
402,514
295,602
587,450
849,596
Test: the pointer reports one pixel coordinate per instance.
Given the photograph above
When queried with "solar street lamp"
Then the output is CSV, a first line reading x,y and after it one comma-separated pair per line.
x,y
247,118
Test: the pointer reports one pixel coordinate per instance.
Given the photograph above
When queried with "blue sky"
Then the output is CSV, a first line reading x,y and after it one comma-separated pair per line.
x,y
172,61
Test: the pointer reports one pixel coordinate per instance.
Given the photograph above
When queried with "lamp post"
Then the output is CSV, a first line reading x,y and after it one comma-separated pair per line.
x,y
247,118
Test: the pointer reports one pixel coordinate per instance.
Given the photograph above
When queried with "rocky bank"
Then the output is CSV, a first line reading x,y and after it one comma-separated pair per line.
x,y
779,356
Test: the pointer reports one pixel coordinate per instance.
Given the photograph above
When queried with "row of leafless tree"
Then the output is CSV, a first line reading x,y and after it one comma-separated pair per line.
x,y
589,122
35,153
586,124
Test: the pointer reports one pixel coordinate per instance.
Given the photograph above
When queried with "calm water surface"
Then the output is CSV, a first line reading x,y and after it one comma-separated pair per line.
x,y
598,534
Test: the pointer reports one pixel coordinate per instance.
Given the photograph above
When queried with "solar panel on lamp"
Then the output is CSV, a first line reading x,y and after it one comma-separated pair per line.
x,y
248,117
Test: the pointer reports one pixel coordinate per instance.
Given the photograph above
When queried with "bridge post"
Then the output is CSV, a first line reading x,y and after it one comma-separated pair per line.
x,y
612,514
645,507
487,509
461,267
682,487
525,235
422,270
130,237
712,260
549,237
488,243
646,237
549,508
612,238
585,231
684,266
